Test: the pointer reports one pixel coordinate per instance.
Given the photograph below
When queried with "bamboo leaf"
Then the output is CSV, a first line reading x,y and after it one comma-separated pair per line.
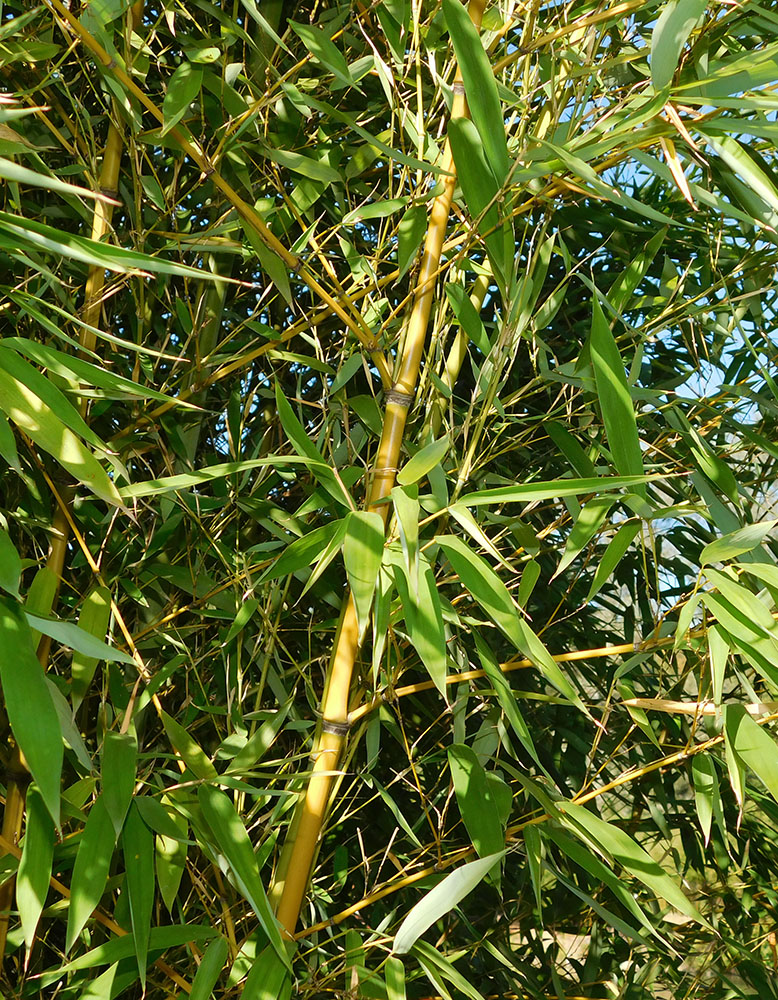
x,y
587,524
613,555
440,900
735,543
363,547
120,751
476,803
91,868
269,979
554,490
617,410
616,842
182,88
32,883
191,752
322,48
425,459
78,639
672,29
233,842
93,619
705,787
480,87
138,847
753,745
31,713
10,565
213,962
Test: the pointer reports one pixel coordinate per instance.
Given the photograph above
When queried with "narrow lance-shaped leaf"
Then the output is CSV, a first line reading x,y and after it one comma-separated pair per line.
x,y
477,806
91,868
138,848
94,618
618,412
440,900
233,843
673,27
119,756
32,884
480,87
631,856
212,964
31,713
363,547
753,744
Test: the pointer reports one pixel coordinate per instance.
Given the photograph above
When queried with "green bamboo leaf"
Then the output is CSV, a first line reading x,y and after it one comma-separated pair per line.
x,y
31,713
30,233
406,507
481,191
505,696
617,843
159,819
553,490
78,639
37,419
468,318
119,757
476,803
534,848
744,600
191,752
600,872
480,87
305,448
425,459
529,577
233,842
587,524
119,948
93,619
570,448
186,480
410,233
138,848
322,48
15,172
213,962
613,555
32,883
673,27
8,444
170,858
484,585
67,726
10,565
740,162
394,978
182,88
440,900
705,787
91,868
618,412
269,978
258,745
753,745
304,550
424,618
735,543
363,548
69,366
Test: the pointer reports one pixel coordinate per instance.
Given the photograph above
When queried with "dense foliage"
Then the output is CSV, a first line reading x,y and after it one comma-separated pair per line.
x,y
559,764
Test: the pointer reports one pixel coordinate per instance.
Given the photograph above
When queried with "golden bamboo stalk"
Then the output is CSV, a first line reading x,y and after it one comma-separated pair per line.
x,y
292,882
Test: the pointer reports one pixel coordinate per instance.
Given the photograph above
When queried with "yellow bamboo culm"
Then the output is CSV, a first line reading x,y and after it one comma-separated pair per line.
x,y
297,860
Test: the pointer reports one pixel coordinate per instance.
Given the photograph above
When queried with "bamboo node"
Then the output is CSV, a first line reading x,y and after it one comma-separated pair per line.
x,y
335,728
458,87
398,398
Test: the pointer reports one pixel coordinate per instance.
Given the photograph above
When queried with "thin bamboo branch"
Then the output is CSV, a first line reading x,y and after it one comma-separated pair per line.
x,y
292,883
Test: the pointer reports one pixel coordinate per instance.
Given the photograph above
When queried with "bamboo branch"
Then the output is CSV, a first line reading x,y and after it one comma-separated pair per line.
x,y
297,859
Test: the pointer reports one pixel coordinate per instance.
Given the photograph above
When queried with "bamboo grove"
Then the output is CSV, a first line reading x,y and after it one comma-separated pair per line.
x,y
388,584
